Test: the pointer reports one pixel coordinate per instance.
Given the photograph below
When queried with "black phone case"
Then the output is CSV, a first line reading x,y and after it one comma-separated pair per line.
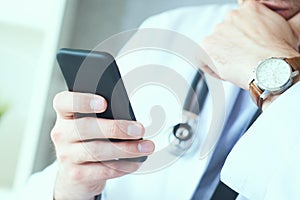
x,y
97,73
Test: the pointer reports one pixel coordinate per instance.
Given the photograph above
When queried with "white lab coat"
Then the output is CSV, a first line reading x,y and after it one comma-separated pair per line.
x,y
261,165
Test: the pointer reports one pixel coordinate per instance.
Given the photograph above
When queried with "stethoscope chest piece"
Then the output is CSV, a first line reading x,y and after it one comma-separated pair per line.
x,y
182,136
182,131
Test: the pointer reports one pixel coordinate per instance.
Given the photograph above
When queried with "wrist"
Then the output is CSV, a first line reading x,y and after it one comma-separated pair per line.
x,y
250,74
65,189
273,76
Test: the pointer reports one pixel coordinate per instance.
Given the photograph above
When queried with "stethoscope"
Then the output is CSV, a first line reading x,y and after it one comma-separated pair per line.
x,y
183,134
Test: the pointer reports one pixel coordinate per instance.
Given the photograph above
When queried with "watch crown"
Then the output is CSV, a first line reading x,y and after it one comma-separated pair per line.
x,y
295,73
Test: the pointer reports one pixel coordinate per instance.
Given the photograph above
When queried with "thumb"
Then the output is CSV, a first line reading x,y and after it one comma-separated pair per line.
x,y
295,25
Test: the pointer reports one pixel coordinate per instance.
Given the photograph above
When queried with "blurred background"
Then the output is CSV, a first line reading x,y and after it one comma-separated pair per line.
x,y
30,33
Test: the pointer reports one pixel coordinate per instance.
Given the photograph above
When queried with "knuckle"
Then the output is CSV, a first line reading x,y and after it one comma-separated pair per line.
x,y
114,129
62,158
76,174
56,135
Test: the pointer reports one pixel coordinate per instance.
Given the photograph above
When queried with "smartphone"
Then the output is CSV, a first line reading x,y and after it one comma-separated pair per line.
x,y
97,73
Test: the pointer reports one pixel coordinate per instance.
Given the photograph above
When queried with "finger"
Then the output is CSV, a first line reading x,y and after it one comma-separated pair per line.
x,y
206,65
88,128
104,150
255,8
241,1
295,25
93,173
204,62
260,15
263,8
209,71
68,103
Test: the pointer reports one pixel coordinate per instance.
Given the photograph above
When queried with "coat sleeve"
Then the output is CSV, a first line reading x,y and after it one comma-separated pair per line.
x,y
40,185
265,163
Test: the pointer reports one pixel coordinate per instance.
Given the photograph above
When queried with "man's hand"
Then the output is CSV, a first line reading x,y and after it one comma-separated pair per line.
x,y
86,158
248,35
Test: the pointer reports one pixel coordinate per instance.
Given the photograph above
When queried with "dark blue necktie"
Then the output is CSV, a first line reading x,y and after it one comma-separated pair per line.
x,y
231,133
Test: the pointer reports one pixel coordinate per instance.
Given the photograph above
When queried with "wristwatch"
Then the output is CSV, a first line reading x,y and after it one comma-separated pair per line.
x,y
273,76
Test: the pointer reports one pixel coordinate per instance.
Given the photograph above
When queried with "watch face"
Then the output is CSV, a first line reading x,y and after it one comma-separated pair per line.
x,y
272,74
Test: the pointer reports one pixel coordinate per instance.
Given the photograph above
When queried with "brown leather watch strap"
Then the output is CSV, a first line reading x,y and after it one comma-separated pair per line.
x,y
294,62
255,93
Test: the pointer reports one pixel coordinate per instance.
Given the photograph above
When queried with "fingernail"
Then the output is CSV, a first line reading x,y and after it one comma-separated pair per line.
x,y
134,130
96,104
146,147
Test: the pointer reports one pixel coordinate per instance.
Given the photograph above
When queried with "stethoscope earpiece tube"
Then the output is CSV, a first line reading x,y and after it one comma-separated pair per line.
x,y
183,134
196,95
